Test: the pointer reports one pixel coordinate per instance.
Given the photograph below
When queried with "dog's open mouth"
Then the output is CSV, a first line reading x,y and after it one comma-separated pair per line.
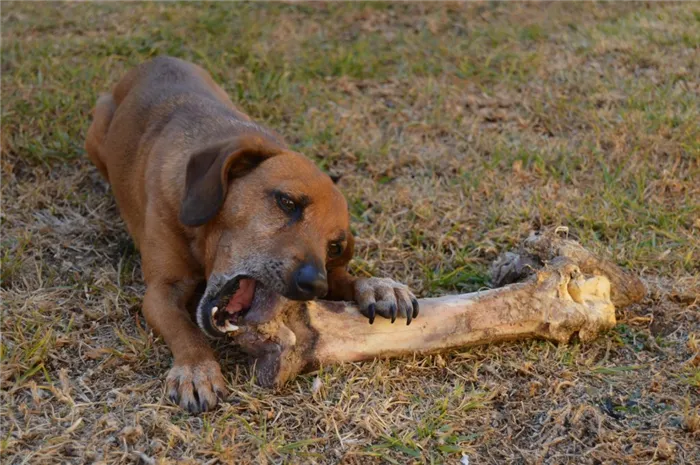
x,y
240,299
233,301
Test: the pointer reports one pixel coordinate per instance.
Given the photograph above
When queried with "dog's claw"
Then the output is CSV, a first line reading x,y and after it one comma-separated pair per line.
x,y
204,405
220,395
196,387
192,407
385,297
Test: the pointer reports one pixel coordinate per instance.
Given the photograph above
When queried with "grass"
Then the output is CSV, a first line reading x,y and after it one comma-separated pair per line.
x,y
454,129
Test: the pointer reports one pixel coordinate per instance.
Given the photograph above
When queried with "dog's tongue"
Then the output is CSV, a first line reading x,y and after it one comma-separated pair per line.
x,y
243,296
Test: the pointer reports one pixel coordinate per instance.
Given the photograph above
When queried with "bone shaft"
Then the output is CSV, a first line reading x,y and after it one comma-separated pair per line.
x,y
444,323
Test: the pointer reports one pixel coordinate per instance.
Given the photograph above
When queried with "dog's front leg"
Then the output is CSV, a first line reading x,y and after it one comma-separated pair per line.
x,y
195,381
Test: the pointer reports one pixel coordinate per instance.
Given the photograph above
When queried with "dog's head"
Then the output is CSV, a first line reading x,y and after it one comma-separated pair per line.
x,y
272,225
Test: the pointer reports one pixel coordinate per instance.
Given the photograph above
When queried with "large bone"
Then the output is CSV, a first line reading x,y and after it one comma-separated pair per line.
x,y
561,299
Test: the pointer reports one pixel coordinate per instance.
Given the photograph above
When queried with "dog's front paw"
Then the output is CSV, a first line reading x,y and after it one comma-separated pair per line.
x,y
385,297
196,386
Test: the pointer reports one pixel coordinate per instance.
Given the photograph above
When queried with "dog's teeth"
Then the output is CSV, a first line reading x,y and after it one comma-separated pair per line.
x,y
229,327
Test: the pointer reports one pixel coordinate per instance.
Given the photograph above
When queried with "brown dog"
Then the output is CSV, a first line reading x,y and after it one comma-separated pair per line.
x,y
210,197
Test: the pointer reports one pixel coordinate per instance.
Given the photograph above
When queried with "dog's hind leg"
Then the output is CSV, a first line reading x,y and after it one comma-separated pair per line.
x,y
101,118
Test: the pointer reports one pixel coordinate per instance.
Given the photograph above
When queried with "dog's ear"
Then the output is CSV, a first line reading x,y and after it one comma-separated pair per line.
x,y
210,171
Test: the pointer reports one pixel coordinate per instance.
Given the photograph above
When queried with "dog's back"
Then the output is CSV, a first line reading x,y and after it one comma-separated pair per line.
x,y
156,115
143,103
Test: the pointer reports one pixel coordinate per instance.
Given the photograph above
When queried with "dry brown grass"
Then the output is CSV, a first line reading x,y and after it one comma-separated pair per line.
x,y
456,128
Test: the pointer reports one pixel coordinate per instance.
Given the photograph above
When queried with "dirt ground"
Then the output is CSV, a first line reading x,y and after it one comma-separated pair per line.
x,y
455,129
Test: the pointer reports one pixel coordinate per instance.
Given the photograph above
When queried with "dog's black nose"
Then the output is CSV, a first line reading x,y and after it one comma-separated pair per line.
x,y
309,282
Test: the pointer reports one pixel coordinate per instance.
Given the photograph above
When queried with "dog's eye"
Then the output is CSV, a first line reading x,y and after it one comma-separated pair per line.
x,y
335,249
286,203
